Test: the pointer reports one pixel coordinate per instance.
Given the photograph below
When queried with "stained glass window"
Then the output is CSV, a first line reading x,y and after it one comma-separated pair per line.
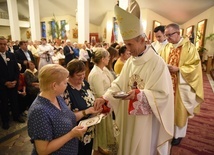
x,y
63,31
43,29
115,28
53,29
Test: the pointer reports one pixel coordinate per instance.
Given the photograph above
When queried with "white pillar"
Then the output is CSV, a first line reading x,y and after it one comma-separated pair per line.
x,y
14,19
83,20
109,27
123,4
34,19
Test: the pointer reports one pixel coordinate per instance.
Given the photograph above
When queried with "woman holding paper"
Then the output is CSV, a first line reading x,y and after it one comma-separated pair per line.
x,y
51,125
80,99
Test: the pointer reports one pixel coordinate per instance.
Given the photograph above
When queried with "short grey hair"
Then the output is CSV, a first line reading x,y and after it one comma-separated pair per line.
x,y
174,26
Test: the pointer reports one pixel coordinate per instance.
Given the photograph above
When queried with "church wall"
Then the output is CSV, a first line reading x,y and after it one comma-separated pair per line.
x,y
208,14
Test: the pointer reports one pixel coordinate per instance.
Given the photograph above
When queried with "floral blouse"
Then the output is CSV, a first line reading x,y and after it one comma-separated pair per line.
x,y
81,100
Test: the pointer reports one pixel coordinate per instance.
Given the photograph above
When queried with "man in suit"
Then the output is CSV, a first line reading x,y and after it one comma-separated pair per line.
x,y
23,55
8,85
68,52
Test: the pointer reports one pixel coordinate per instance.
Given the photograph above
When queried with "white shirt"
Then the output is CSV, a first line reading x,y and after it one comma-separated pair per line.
x,y
100,80
43,48
27,55
4,56
83,55
159,46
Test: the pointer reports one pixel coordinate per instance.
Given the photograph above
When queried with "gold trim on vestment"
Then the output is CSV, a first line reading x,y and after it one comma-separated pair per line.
x,y
190,70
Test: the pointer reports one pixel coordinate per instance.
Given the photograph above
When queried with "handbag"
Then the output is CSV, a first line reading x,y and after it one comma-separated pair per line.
x,y
48,57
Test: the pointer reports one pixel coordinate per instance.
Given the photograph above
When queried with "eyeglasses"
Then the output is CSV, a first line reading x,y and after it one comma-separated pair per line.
x,y
171,34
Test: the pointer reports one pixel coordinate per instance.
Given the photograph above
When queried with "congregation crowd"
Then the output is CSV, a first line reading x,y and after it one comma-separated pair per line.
x,y
61,84
28,58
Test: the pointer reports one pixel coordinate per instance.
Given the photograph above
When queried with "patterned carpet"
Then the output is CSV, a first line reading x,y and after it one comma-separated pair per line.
x,y
200,134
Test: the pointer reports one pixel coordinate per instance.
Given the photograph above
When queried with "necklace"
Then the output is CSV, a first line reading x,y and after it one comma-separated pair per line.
x,y
78,87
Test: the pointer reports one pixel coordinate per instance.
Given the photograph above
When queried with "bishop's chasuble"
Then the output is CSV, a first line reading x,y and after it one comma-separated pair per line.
x,y
144,134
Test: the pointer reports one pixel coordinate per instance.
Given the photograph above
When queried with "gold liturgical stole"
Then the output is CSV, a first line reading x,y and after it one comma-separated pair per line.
x,y
174,58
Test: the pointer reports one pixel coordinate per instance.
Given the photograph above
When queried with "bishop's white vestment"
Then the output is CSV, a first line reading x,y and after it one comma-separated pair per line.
x,y
151,133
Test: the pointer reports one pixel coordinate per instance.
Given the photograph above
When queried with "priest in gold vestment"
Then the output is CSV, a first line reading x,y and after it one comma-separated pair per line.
x,y
145,117
185,67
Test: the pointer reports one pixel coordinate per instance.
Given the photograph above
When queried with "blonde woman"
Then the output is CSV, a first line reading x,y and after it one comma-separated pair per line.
x,y
51,125
100,79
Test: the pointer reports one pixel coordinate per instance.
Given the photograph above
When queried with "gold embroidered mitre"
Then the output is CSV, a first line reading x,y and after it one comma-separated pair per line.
x,y
129,20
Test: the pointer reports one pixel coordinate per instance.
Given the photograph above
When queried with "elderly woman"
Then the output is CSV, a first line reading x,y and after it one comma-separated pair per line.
x,y
80,99
100,79
51,125
32,82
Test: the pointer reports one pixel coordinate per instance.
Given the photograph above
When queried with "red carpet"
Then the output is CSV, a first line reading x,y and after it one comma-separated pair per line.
x,y
200,133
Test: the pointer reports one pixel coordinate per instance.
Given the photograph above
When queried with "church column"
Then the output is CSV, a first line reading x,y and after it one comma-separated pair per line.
x,y
13,19
83,20
34,19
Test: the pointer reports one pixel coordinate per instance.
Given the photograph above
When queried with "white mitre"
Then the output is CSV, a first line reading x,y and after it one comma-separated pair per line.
x,y
129,20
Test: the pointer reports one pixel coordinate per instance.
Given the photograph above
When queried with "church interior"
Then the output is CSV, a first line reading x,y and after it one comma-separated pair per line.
x,y
93,21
